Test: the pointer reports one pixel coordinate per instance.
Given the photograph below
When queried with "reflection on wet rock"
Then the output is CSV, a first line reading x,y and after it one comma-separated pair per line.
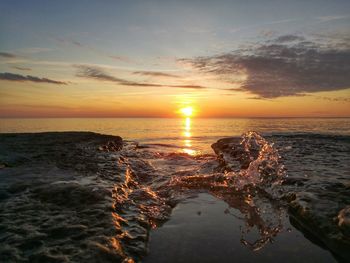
x,y
344,220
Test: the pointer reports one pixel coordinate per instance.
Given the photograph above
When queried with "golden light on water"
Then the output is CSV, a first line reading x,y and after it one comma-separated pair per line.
x,y
187,134
188,143
187,112
189,151
187,128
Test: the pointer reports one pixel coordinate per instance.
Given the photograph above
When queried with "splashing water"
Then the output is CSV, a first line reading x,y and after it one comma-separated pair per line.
x,y
248,179
264,167
251,162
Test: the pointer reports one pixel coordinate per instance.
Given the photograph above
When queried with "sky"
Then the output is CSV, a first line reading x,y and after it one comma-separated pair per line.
x,y
239,58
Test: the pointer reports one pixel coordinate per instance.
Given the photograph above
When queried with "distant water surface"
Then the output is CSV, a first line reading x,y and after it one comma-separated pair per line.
x,y
187,135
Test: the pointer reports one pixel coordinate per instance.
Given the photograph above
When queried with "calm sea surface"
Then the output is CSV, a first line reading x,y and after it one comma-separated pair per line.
x,y
187,135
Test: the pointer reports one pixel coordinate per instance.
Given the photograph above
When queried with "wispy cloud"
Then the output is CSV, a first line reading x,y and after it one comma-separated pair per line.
x,y
286,66
98,74
274,22
336,99
84,46
21,68
156,74
34,50
332,18
78,44
17,77
186,86
288,38
120,58
7,55
69,41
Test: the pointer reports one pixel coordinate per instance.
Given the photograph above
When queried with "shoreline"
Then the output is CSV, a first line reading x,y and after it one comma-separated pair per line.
x,y
83,195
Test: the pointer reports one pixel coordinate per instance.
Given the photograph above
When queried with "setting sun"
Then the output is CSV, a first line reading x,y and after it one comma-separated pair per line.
x,y
188,111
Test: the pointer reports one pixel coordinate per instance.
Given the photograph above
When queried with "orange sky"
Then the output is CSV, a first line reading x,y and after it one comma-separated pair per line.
x,y
224,59
55,102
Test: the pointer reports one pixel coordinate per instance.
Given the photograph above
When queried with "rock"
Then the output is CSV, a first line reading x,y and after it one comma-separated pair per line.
x,y
344,221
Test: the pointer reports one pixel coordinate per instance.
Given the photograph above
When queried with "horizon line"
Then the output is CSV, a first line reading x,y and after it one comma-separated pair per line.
x,y
158,117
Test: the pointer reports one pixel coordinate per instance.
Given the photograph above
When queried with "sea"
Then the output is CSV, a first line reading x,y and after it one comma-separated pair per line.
x,y
189,135
211,190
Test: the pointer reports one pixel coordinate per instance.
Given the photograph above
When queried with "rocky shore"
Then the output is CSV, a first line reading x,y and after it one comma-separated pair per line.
x,y
86,197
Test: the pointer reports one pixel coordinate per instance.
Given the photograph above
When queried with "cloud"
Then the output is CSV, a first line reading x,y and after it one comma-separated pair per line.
x,y
235,89
95,73
70,42
7,55
187,86
274,22
288,38
98,74
78,44
16,77
155,74
121,58
337,99
34,50
332,18
267,33
22,68
286,66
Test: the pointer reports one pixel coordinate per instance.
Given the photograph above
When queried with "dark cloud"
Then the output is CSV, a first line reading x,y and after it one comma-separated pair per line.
x,y
17,77
235,89
7,55
156,74
78,44
98,74
336,99
22,68
187,86
288,38
280,68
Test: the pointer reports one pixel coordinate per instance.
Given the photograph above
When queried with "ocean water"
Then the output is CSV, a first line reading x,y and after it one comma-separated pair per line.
x,y
176,190
189,135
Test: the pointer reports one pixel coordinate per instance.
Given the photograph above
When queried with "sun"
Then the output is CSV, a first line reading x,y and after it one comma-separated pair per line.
x,y
187,111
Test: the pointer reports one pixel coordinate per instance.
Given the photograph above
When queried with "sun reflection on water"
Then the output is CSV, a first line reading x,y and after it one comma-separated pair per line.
x,y
187,128
187,134
188,143
189,151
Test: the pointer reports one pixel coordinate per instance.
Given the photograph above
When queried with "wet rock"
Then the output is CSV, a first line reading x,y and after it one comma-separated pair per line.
x,y
344,221
112,146
231,154
317,215
4,194
70,194
18,187
53,200
294,181
47,257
